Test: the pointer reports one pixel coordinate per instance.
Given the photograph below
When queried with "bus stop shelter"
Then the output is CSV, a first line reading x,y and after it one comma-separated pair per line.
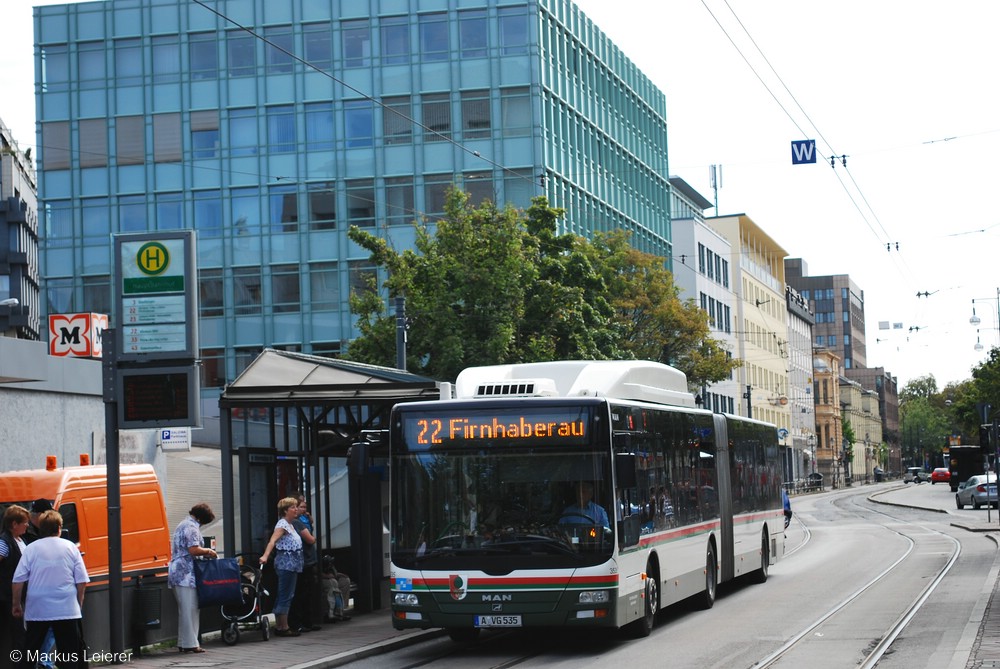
x,y
295,422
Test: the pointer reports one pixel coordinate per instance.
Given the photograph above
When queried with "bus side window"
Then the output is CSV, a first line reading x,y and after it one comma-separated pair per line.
x,y
71,526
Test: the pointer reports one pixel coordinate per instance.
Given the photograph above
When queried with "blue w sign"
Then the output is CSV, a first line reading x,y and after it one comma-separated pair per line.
x,y
804,151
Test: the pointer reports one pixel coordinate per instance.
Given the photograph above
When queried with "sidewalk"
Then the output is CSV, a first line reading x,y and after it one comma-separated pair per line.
x,y
336,644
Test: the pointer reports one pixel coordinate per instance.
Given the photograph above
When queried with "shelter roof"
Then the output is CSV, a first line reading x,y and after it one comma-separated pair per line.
x,y
283,378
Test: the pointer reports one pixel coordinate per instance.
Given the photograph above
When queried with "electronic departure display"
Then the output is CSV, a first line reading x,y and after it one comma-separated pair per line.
x,y
570,426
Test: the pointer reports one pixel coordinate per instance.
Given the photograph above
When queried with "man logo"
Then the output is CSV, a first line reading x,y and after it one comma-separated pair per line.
x,y
457,586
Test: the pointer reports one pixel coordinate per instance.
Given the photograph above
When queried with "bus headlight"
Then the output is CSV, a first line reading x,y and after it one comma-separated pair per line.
x,y
405,599
593,597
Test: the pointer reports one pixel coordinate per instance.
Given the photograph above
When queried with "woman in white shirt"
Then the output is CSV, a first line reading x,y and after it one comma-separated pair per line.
x,y
288,562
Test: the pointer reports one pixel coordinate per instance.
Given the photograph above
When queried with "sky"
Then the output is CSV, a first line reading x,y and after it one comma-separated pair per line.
x,y
904,91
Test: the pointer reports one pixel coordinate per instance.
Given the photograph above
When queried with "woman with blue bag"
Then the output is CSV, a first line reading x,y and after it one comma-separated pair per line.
x,y
187,543
288,562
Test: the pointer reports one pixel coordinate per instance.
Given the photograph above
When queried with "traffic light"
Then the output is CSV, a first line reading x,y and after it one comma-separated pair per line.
x,y
984,439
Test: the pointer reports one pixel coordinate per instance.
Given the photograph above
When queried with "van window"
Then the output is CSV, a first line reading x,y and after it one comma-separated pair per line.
x,y
71,526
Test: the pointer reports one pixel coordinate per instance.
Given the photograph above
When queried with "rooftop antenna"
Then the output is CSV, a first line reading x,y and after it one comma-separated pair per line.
x,y
715,177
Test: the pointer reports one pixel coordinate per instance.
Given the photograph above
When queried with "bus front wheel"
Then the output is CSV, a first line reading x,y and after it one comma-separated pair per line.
x,y
651,596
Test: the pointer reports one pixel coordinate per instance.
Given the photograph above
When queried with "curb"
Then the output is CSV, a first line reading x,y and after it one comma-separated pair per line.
x,y
371,650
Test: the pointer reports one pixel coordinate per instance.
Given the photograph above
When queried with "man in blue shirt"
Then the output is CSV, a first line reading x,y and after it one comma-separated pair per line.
x,y
584,510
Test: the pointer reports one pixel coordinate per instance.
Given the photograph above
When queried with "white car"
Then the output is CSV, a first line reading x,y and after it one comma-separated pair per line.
x,y
976,491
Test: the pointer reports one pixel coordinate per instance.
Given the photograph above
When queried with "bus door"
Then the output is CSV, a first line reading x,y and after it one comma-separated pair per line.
x,y
725,486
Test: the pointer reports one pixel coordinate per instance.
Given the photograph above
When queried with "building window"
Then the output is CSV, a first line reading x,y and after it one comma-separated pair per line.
x,y
395,40
94,142
204,55
59,223
472,34
476,114
210,291
399,200
132,213
59,296
436,114
242,54
279,49
246,290
245,355
205,133
397,126
361,202
284,206
128,62
513,31
167,138
318,43
515,112
324,284
363,276
518,188
169,211
479,186
725,273
435,191
166,59
213,368
243,132
322,206
434,36
281,129
319,126
208,213
358,125
90,63
285,293
55,67
245,207
357,43
55,145
96,219
130,140
97,294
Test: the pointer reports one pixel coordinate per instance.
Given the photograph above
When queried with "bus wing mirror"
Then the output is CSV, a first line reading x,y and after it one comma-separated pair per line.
x,y
625,467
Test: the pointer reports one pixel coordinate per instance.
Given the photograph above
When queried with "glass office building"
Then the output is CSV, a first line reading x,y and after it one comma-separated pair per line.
x,y
271,127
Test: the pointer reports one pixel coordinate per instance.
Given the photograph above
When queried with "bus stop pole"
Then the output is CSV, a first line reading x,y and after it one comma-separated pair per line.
x,y
115,604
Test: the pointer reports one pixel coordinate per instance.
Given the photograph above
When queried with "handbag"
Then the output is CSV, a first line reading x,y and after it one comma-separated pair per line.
x,y
218,582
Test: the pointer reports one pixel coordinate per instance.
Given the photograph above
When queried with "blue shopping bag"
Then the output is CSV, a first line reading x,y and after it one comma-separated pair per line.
x,y
218,582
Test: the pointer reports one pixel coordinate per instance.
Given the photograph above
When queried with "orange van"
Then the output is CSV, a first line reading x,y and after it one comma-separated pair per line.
x,y
80,494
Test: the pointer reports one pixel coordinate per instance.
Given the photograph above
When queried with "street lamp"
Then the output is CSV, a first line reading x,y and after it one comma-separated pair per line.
x,y
976,320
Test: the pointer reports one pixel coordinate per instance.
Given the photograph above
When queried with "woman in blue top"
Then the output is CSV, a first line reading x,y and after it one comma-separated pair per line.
x,y
288,562
187,543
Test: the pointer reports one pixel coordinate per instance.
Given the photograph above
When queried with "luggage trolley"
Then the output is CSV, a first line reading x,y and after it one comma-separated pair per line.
x,y
250,614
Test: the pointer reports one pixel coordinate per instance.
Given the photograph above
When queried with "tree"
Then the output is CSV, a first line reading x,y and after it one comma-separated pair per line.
x,y
654,323
486,285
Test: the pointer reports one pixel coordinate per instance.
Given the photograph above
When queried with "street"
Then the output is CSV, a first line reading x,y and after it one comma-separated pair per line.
x,y
863,583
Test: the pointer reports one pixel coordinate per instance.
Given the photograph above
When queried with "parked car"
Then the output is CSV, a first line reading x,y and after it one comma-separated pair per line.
x,y
915,475
976,491
940,474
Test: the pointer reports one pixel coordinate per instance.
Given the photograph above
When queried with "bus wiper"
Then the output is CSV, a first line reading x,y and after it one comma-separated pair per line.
x,y
447,551
533,541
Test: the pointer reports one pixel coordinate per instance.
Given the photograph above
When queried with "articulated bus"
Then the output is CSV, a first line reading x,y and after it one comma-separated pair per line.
x,y
585,494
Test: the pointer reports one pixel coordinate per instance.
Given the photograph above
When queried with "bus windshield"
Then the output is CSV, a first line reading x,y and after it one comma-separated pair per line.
x,y
492,497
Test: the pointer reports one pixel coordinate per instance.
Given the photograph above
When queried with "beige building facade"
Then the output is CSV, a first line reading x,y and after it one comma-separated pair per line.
x,y
761,315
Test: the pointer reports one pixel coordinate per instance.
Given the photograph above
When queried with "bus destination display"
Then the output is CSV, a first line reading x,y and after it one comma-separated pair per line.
x,y
427,430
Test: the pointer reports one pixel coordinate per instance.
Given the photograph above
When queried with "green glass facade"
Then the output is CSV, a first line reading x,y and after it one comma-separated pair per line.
x,y
160,115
